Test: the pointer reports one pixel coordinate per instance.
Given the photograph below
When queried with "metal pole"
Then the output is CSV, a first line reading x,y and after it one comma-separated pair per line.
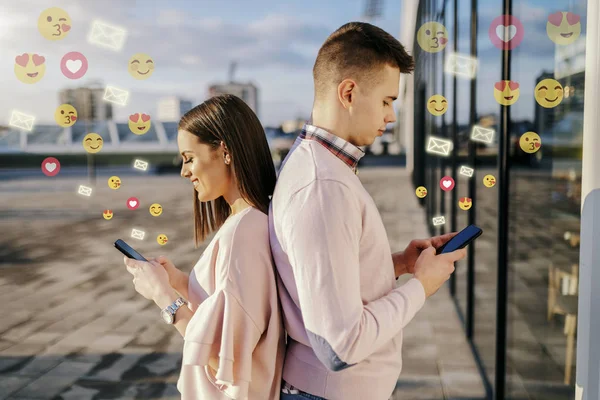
x,y
454,139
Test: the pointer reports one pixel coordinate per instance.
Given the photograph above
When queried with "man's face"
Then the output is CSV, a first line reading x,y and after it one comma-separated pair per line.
x,y
372,106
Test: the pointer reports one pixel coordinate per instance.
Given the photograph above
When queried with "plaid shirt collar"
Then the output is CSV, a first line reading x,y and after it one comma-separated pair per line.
x,y
345,151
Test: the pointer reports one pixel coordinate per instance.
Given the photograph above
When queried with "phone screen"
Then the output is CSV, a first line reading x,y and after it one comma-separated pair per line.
x,y
128,250
462,239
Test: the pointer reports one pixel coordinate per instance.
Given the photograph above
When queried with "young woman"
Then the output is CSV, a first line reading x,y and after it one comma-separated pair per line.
x,y
233,333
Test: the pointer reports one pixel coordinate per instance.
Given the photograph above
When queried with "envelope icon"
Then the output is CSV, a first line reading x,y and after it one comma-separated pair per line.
x,y
439,146
116,95
466,171
137,234
21,121
480,134
84,190
461,65
108,36
139,164
439,220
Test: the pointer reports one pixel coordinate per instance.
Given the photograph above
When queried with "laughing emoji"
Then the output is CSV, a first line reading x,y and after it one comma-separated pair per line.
x,y
432,37
155,210
506,92
140,66
437,105
30,67
139,123
563,27
465,203
548,93
54,23
92,143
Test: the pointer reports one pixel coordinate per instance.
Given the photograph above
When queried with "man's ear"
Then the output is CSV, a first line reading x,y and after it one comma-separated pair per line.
x,y
346,89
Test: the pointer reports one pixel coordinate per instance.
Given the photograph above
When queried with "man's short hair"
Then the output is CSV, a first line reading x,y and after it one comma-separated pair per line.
x,y
358,50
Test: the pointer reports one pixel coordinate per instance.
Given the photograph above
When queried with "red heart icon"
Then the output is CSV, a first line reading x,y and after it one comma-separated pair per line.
x,y
38,60
134,117
537,144
556,18
513,85
73,118
145,117
572,19
22,60
500,85
65,27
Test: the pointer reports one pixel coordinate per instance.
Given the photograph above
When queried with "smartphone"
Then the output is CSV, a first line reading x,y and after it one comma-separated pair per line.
x,y
462,239
128,250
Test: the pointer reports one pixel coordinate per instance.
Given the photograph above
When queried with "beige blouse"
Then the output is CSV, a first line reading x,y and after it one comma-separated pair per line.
x,y
234,343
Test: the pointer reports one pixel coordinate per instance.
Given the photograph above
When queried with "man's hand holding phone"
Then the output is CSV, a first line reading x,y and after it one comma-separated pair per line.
x,y
433,270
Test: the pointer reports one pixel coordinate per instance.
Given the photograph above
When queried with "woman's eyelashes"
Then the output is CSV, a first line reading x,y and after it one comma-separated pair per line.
x,y
189,160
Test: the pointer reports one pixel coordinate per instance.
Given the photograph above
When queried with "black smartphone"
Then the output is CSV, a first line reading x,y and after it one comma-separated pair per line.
x,y
462,239
128,250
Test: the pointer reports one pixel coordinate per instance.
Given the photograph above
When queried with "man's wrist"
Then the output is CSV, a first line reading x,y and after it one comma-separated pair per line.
x,y
399,264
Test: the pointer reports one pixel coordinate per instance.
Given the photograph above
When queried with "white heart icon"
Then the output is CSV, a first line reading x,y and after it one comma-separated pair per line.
x,y
447,184
133,203
506,33
74,65
50,166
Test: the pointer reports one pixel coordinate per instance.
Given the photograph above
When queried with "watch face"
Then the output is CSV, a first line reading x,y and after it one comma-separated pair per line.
x,y
166,316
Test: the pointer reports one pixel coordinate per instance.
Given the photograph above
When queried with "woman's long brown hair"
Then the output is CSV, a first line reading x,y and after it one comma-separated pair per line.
x,y
229,119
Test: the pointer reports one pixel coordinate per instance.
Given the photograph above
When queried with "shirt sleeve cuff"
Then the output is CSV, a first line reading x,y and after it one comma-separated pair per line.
x,y
415,290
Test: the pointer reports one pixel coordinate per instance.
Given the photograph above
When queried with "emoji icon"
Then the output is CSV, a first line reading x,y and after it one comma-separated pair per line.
x,y
530,142
73,65
506,92
54,23
50,166
447,183
92,142
65,115
466,171
107,214
156,210
461,65
439,146
481,134
465,203
439,221
139,123
107,36
563,27
548,93
437,105
421,192
30,67
162,239
137,234
139,164
84,190
141,66
432,37
21,121
506,32
133,203
115,95
489,181
114,182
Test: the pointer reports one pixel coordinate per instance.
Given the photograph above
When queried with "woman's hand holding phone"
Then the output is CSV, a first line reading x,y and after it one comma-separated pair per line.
x,y
177,278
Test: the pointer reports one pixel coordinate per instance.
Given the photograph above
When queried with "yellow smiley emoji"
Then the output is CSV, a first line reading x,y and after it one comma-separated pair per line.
x,y
156,210
489,181
465,203
432,37
30,67
139,123
437,105
92,143
162,239
107,214
114,182
563,27
54,23
65,115
530,142
421,192
506,92
548,93
140,66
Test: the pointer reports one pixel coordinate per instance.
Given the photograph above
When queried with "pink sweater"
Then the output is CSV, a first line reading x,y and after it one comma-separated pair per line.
x,y
342,310
235,343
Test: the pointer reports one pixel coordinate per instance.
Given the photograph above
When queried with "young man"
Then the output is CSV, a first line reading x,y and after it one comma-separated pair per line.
x,y
342,311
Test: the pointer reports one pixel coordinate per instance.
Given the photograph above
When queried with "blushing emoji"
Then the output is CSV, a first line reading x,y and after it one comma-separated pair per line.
x,y
530,142
548,93
107,214
141,66
437,105
30,67
465,203
489,181
65,115
421,192
139,123
432,37
506,92
155,210
563,27
92,143
114,182
162,239
54,23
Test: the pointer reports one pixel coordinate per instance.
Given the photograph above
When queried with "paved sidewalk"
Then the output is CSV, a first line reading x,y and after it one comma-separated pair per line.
x,y
74,328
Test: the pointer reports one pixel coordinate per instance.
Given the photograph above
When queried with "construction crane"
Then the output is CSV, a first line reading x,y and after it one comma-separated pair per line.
x,y
232,67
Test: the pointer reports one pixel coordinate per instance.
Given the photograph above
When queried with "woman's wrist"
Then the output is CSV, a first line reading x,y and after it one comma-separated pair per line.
x,y
181,282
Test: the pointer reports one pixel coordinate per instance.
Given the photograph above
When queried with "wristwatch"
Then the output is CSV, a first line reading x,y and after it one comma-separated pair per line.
x,y
168,314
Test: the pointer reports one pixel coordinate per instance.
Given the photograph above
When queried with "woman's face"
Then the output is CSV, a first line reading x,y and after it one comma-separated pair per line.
x,y
204,167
